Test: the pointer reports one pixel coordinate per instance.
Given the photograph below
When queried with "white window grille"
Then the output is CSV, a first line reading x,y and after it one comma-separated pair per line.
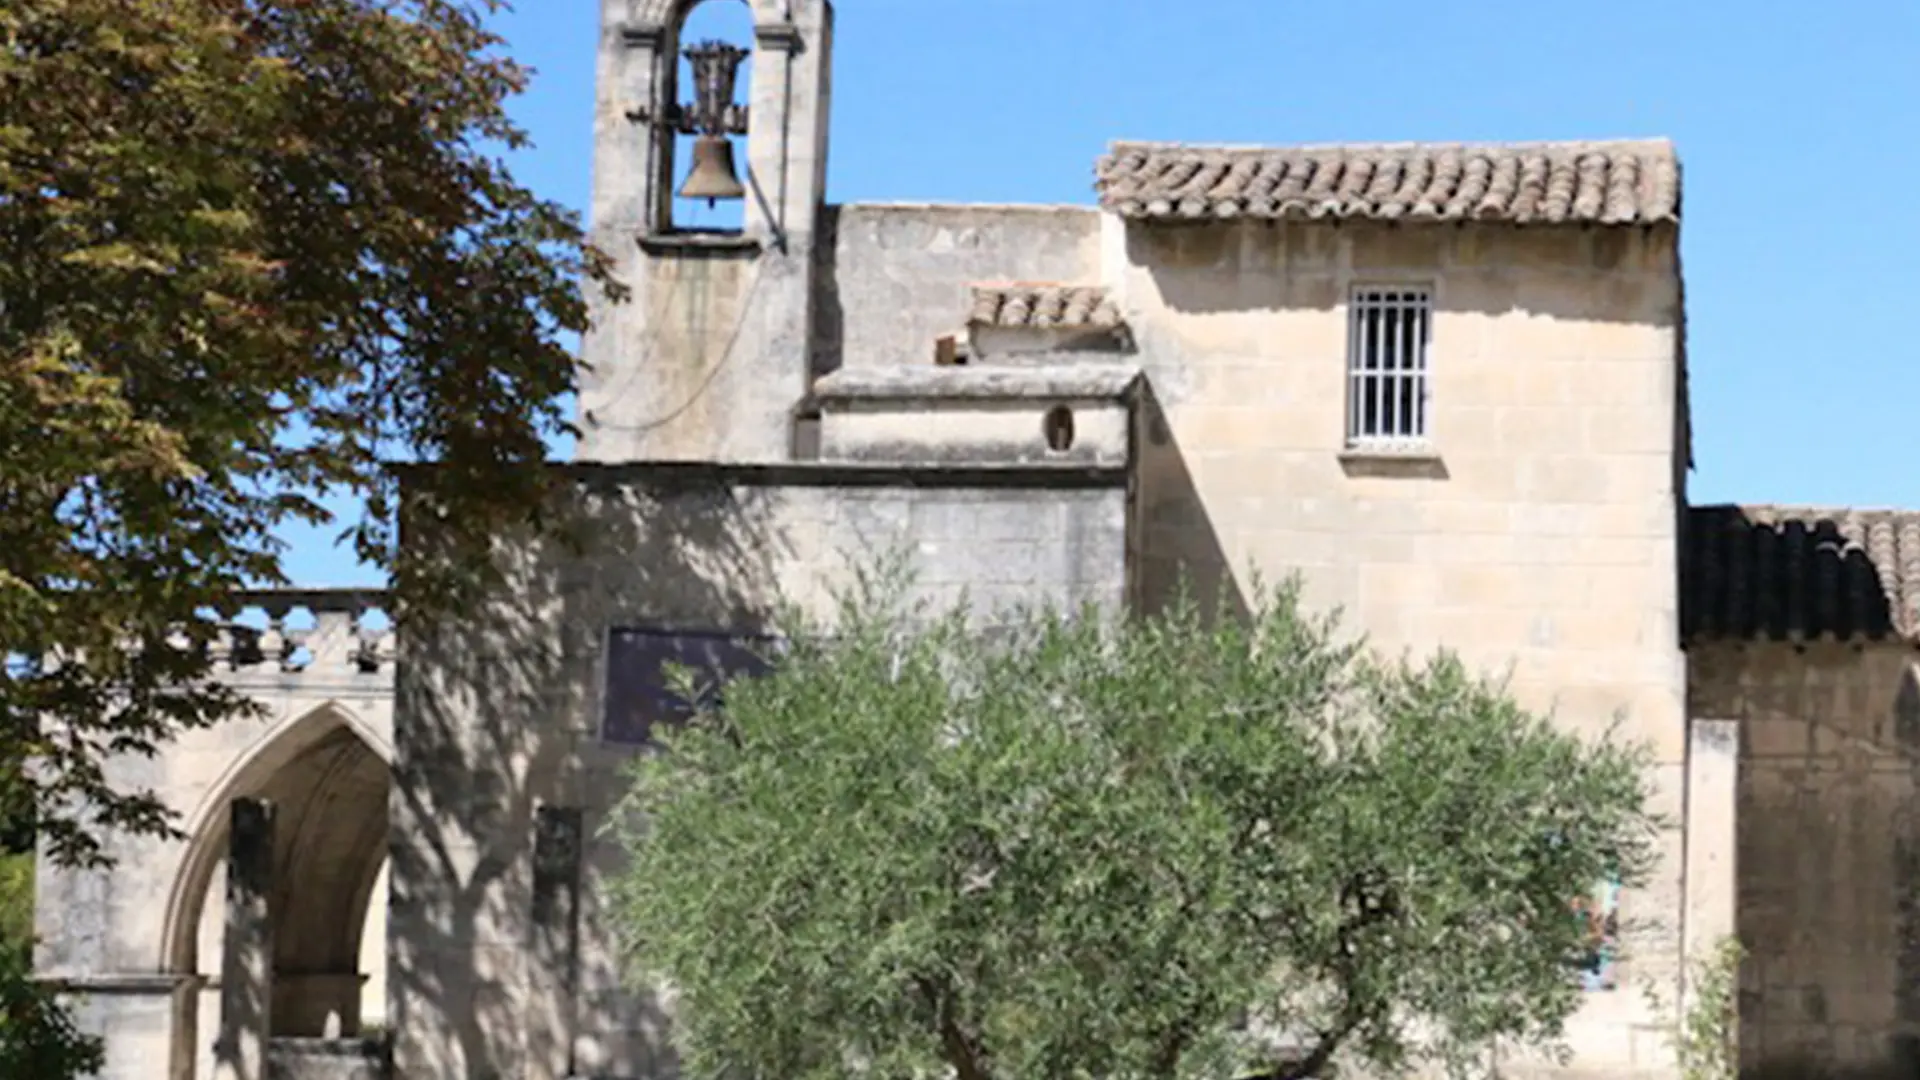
x,y
1387,343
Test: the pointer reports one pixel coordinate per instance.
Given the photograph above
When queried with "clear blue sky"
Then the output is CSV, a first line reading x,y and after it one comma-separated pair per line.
x,y
1798,129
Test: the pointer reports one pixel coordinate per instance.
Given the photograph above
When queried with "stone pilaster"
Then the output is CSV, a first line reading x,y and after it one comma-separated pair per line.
x,y
1713,769
557,846
246,967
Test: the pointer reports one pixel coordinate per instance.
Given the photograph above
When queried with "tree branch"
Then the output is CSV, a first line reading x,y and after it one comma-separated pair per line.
x,y
960,1050
1368,908
1326,1046
1173,1043
1179,1034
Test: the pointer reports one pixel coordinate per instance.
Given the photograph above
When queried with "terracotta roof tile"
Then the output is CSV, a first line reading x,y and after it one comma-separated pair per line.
x,y
1607,183
1795,574
1043,306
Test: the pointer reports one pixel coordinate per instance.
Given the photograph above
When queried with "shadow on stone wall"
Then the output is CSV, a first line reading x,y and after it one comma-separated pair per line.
x,y
497,716
826,352
328,787
1904,1064
329,1059
1174,542
1790,630
1252,266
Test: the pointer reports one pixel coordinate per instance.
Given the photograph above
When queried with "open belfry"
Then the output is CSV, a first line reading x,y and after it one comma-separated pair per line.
x,y
1445,383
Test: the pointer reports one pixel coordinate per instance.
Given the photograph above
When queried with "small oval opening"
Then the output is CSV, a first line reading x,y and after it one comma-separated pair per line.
x,y
1057,426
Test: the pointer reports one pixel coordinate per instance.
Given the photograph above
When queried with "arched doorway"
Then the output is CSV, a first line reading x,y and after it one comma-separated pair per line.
x,y
328,780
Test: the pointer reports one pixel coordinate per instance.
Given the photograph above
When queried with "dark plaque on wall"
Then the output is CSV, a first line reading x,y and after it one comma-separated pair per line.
x,y
640,692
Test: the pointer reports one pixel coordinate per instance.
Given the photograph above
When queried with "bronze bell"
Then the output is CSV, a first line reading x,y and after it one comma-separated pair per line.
x,y
712,177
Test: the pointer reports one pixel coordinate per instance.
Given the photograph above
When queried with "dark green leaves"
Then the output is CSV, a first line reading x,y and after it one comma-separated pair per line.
x,y
38,1036
250,252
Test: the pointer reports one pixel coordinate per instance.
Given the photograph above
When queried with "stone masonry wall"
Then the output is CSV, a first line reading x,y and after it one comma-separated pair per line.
x,y
693,367
1534,533
141,942
898,274
1829,853
324,1059
502,714
705,357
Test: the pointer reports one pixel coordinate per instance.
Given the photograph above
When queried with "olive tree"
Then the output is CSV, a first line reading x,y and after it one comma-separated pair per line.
x,y
1148,847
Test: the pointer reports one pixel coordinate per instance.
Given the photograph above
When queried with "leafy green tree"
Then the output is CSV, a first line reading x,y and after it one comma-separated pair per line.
x,y
16,897
1163,847
250,251
38,1036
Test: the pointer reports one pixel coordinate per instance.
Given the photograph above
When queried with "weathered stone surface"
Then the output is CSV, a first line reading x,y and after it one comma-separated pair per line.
x,y
1074,416
710,353
328,1059
921,383
143,943
495,724
899,276
1828,827
246,972
559,846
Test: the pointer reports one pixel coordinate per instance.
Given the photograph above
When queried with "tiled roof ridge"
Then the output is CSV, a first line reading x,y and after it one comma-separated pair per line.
x,y
1784,572
1808,511
1605,182
1646,142
1042,304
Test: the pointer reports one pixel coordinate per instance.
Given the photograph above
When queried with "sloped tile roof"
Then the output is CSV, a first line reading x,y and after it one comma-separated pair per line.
x,y
1605,183
1043,306
1790,573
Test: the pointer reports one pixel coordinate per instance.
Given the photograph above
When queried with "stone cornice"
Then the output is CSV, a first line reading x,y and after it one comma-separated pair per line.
x,y
779,37
137,983
642,35
1000,382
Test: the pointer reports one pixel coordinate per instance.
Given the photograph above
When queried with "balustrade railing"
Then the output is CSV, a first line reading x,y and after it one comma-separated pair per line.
x,y
342,631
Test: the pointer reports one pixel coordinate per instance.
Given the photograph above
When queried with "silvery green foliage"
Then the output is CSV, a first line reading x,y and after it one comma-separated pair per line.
x,y
1174,846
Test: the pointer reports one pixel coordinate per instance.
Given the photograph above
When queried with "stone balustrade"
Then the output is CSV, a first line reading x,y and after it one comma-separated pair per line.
x,y
342,631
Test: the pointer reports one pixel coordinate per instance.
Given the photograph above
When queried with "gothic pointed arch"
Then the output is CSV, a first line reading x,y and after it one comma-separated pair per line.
x,y
206,825
328,773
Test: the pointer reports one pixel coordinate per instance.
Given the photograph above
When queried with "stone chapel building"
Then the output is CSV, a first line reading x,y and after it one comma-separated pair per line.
x,y
1446,383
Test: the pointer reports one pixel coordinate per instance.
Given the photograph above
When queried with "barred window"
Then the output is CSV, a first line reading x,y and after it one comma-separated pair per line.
x,y
1387,365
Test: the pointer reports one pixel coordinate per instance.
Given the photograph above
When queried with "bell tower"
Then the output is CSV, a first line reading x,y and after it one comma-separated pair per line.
x,y
706,357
